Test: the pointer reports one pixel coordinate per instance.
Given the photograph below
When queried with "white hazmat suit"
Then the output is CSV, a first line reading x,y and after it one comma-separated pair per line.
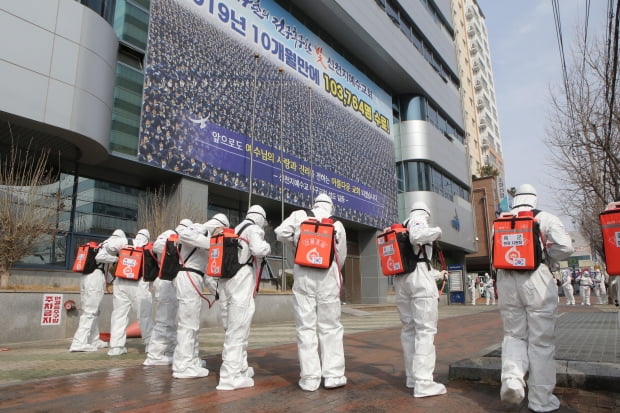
x,y
164,335
130,294
471,286
585,287
599,287
489,289
417,304
237,301
189,284
92,289
567,286
528,309
316,302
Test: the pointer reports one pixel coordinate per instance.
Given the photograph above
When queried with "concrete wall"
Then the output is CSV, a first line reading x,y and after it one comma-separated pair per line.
x,y
25,308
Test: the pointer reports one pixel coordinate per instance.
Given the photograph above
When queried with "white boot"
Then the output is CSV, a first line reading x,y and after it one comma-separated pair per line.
x,y
234,383
512,391
333,382
310,383
428,388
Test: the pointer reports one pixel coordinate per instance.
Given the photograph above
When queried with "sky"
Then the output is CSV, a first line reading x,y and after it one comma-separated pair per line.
x,y
526,65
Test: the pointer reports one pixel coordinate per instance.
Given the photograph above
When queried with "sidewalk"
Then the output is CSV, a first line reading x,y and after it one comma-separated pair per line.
x,y
45,377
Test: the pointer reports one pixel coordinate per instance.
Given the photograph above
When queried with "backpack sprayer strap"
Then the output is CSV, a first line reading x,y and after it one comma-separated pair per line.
x,y
193,270
423,253
186,271
258,272
444,267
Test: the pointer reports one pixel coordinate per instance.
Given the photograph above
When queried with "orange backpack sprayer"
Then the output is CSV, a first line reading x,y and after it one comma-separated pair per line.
x,y
517,242
150,264
610,226
223,253
85,258
395,251
129,263
315,247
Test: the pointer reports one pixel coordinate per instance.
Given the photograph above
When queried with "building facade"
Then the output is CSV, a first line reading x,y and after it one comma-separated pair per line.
x,y
231,103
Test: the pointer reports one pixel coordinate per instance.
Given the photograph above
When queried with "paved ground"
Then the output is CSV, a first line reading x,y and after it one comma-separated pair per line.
x,y
45,377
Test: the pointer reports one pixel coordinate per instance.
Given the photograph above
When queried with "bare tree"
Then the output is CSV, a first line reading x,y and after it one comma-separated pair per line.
x,y
584,137
160,209
26,217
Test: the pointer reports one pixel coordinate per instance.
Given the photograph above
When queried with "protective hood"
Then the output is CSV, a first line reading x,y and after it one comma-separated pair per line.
x,y
257,214
217,221
420,206
183,224
525,198
419,213
324,203
142,238
119,233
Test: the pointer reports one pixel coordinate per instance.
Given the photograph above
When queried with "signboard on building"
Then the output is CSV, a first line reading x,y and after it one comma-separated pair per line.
x,y
501,187
51,311
241,94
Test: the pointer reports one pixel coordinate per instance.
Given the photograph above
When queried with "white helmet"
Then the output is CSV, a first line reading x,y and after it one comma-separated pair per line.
x,y
141,238
324,202
420,206
145,233
222,219
525,197
119,233
526,189
217,221
183,224
323,198
257,214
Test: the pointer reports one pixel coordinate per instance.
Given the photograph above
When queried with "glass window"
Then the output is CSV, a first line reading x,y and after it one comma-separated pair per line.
x,y
131,24
55,203
126,111
400,176
146,4
417,174
413,108
104,8
442,124
392,10
102,207
433,115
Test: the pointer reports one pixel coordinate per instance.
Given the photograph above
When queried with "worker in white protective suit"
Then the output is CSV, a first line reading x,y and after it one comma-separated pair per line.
x,y
614,286
471,286
489,289
585,287
189,284
316,302
567,286
237,301
417,304
600,291
164,335
92,289
528,309
130,294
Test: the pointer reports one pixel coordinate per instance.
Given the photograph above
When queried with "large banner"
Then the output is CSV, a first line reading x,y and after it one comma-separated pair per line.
x,y
240,93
